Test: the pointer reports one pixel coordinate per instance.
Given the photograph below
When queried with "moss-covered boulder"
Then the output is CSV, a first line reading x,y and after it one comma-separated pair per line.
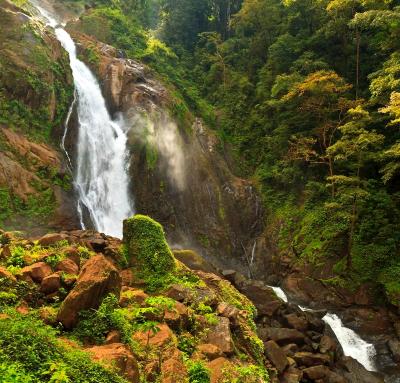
x,y
146,245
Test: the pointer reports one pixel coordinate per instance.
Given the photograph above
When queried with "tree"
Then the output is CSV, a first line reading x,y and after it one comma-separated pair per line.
x,y
355,147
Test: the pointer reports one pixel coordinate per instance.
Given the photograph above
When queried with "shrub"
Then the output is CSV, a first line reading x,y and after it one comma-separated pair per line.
x,y
198,372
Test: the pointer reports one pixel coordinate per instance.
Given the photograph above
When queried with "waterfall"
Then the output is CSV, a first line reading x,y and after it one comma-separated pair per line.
x,y
101,177
350,341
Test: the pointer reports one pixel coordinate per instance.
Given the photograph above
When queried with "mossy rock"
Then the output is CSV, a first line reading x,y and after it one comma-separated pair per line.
x,y
146,245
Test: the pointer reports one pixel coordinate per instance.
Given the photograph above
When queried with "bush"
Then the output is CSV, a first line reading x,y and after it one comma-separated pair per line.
x,y
198,372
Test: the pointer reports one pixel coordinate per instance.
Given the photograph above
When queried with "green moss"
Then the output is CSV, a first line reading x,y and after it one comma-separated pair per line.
x,y
146,244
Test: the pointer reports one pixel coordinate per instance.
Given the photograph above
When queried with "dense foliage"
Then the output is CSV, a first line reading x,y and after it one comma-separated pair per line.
x,y
307,92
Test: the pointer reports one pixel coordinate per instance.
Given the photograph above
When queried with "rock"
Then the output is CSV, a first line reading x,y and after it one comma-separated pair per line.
x,y
97,279
327,344
173,369
67,266
227,311
276,355
396,326
285,336
263,297
394,347
72,253
229,275
50,284
51,239
130,295
220,336
292,377
113,336
290,349
211,351
178,317
193,260
217,368
309,359
127,277
296,322
23,308
179,293
354,372
98,244
118,355
37,271
364,295
5,274
316,372
161,338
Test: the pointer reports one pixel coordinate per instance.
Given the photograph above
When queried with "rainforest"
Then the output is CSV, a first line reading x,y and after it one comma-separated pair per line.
x,y
200,191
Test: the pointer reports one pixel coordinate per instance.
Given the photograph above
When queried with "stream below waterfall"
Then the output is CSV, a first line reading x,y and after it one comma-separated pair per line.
x,y
101,177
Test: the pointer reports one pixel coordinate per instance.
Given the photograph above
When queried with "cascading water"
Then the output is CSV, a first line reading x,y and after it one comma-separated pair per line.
x,y
101,176
351,342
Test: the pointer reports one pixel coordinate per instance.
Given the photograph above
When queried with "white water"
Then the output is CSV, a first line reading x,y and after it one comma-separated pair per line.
x,y
101,177
351,343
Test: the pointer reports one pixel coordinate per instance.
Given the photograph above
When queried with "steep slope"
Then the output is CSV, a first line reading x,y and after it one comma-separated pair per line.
x,y
35,93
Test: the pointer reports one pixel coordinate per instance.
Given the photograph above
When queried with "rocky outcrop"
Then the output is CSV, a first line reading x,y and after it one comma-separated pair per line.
x,y
97,279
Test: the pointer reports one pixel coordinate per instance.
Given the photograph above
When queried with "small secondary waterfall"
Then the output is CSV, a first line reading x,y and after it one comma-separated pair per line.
x,y
351,342
101,176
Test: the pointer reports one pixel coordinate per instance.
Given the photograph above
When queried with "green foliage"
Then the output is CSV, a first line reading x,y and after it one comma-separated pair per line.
x,y
146,244
32,346
198,372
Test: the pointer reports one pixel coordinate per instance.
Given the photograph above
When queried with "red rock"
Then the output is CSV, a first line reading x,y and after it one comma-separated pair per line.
x,y
37,271
220,335
217,368
285,336
67,266
211,351
173,369
97,279
118,355
50,284
178,317
127,277
159,339
296,322
4,273
51,239
316,372
227,311
131,295
23,308
327,344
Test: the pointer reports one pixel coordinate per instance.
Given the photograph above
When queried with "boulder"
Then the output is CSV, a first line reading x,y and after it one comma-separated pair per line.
x,y
97,279
296,322
5,274
67,266
316,372
220,335
210,351
173,369
179,293
263,297
276,355
50,284
309,359
193,260
292,377
130,295
354,372
127,277
228,311
285,336
394,347
327,344
178,317
161,338
37,271
51,239
290,349
118,355
217,368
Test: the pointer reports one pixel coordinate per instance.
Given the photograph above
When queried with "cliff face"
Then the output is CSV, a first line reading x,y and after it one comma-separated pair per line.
x,y
35,93
178,171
